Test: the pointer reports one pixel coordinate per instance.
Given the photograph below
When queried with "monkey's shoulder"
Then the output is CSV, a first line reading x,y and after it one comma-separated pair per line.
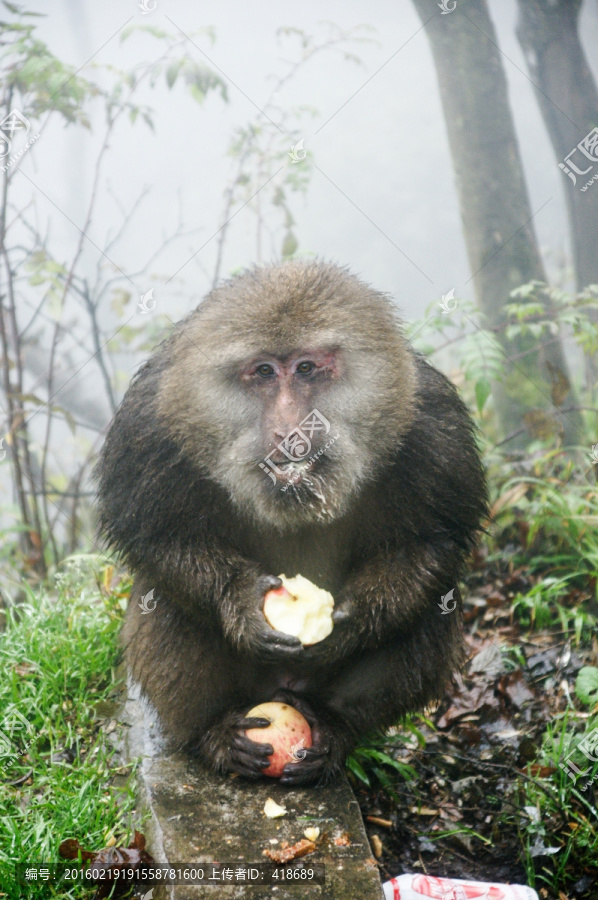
x,y
435,481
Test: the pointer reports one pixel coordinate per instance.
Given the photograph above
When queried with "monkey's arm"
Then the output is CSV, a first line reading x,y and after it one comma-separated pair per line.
x,y
424,518
157,510
218,587
419,527
153,512
389,594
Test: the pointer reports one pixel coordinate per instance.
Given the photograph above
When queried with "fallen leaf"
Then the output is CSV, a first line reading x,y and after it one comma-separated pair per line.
x,y
488,661
514,687
343,840
509,498
537,771
24,668
540,424
289,853
376,845
375,820
110,862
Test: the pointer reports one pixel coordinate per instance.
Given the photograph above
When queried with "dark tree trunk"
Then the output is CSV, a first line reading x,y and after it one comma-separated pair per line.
x,y
568,99
495,209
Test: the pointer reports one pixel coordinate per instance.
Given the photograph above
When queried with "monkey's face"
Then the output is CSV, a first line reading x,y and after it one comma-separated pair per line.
x,y
285,392
295,436
288,459
290,387
291,437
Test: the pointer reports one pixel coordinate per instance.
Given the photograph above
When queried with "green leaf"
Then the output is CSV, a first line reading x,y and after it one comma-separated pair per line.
x,y
69,419
119,300
482,392
289,245
586,685
357,770
197,93
53,266
31,70
172,72
148,120
29,398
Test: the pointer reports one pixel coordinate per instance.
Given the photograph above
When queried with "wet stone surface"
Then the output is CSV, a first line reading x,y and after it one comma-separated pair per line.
x,y
196,817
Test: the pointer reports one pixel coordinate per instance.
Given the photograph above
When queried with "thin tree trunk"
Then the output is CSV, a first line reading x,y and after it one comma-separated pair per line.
x,y
495,210
31,537
568,100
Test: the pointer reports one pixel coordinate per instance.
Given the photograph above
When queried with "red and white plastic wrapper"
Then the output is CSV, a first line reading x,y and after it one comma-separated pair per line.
x,y
414,887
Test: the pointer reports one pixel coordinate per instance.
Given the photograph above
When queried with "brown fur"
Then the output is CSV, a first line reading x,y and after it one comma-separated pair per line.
x,y
383,519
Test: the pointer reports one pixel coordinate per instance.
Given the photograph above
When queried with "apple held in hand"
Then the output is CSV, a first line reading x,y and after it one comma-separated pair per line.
x,y
288,732
300,608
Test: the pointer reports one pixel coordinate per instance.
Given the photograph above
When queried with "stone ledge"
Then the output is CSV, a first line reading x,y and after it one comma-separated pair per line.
x,y
198,817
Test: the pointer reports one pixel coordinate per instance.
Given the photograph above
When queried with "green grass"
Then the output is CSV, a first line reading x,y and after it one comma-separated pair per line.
x,y
557,813
558,517
58,656
547,605
372,762
554,526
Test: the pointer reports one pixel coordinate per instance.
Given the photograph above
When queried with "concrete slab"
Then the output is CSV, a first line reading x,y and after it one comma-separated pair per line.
x,y
198,817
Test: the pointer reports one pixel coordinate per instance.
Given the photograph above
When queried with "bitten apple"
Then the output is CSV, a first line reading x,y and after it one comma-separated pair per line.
x,y
288,732
300,608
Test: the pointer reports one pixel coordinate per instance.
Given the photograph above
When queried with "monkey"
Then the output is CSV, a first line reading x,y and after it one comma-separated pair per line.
x,y
287,426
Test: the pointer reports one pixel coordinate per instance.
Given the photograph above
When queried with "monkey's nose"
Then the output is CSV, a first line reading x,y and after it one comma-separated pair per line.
x,y
282,432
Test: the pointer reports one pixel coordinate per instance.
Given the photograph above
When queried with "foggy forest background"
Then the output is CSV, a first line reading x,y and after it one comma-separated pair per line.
x,y
447,152
426,159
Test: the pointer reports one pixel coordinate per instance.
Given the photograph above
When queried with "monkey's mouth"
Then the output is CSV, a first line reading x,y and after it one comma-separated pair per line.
x,y
294,475
290,471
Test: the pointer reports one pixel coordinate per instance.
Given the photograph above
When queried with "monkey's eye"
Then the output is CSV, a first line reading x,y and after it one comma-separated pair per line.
x,y
305,368
265,370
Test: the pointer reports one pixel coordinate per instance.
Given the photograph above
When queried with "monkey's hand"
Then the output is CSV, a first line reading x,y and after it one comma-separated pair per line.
x,y
331,737
246,627
343,639
226,748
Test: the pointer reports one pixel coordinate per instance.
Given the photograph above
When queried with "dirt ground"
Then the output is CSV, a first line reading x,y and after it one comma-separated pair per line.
x,y
486,737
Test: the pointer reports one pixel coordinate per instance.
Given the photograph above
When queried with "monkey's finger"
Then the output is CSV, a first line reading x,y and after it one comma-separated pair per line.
x,y
283,695
309,769
267,583
270,652
279,637
261,753
309,756
249,758
247,765
241,741
253,722
273,645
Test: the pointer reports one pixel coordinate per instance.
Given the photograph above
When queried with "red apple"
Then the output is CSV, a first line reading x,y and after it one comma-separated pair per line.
x,y
288,732
280,592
